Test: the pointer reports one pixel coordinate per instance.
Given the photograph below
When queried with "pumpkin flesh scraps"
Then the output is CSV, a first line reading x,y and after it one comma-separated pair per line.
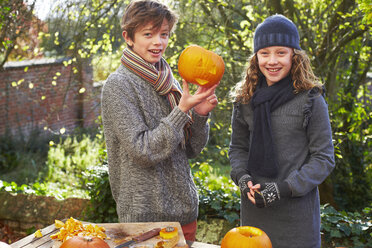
x,y
74,227
38,234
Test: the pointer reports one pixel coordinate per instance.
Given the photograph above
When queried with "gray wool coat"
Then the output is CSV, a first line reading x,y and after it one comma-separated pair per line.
x,y
149,173
303,144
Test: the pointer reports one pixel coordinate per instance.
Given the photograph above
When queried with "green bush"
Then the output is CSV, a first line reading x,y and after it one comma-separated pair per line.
x,y
82,159
348,229
61,169
22,158
352,128
103,206
44,189
218,196
69,160
13,187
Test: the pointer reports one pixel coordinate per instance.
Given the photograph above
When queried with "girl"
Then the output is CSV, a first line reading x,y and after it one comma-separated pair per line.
x,y
152,128
281,144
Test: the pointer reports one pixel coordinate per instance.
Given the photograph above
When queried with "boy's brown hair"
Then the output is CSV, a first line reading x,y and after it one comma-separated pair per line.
x,y
141,12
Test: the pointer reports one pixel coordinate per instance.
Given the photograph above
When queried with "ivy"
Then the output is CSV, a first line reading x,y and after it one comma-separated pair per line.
x,y
218,197
349,229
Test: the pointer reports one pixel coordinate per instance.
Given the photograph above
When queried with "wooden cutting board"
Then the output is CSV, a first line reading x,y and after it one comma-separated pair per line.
x,y
117,233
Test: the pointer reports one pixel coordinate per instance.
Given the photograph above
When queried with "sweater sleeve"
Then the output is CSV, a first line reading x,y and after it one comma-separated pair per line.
x,y
123,118
321,161
199,135
239,145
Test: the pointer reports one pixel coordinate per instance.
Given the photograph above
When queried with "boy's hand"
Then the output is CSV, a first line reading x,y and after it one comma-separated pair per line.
x,y
203,101
208,104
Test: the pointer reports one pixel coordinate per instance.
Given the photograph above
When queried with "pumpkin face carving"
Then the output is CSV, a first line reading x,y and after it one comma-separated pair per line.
x,y
246,236
200,66
84,242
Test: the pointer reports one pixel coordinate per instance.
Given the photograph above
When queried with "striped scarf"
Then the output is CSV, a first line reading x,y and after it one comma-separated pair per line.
x,y
160,77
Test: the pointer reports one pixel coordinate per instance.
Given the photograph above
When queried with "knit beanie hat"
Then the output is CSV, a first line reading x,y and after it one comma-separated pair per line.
x,y
276,30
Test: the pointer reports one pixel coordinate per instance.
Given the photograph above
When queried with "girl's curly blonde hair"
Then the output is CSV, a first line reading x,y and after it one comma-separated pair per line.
x,y
301,72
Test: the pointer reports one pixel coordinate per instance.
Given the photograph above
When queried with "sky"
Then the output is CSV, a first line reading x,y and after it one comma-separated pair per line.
x,y
42,7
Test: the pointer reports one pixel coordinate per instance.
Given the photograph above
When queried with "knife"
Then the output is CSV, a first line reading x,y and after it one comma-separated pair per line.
x,y
140,238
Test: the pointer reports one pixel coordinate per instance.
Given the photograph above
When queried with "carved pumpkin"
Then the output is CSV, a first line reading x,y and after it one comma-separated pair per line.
x,y
246,236
200,66
84,242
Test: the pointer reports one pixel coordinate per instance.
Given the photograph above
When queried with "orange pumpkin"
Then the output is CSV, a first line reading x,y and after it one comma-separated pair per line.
x,y
246,236
84,242
200,66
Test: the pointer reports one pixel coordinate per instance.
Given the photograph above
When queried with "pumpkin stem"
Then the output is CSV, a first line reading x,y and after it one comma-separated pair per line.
x,y
88,238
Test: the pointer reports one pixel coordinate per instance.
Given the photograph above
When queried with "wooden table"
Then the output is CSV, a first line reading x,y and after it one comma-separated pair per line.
x,y
129,229
203,245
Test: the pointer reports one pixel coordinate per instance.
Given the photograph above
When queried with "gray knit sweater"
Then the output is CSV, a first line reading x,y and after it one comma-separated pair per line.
x,y
303,144
149,173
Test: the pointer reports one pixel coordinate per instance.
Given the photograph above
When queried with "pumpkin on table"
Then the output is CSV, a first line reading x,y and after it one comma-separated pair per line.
x,y
246,236
84,242
200,66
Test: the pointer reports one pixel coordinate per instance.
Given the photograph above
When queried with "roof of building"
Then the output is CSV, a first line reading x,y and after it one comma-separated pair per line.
x,y
33,62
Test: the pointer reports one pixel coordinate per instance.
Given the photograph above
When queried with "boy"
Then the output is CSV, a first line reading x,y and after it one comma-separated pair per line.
x,y
151,127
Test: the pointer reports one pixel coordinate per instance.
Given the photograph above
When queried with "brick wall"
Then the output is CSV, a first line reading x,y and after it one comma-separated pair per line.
x,y
24,211
44,94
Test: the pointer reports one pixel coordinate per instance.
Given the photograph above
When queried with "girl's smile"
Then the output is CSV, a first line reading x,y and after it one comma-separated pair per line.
x,y
275,62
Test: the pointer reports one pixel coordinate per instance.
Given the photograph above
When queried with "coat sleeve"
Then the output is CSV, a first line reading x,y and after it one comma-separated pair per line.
x,y
321,161
124,119
239,145
199,135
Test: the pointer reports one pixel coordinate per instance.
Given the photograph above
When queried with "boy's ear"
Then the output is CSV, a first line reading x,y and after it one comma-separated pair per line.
x,y
127,39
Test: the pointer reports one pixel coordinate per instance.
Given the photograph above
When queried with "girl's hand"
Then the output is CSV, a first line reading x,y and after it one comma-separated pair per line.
x,y
204,99
253,189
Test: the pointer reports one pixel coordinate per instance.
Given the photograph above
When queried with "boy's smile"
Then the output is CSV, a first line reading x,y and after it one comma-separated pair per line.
x,y
149,43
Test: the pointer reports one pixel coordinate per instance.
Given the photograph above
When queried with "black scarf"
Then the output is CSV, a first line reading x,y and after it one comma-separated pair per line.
x,y
262,158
